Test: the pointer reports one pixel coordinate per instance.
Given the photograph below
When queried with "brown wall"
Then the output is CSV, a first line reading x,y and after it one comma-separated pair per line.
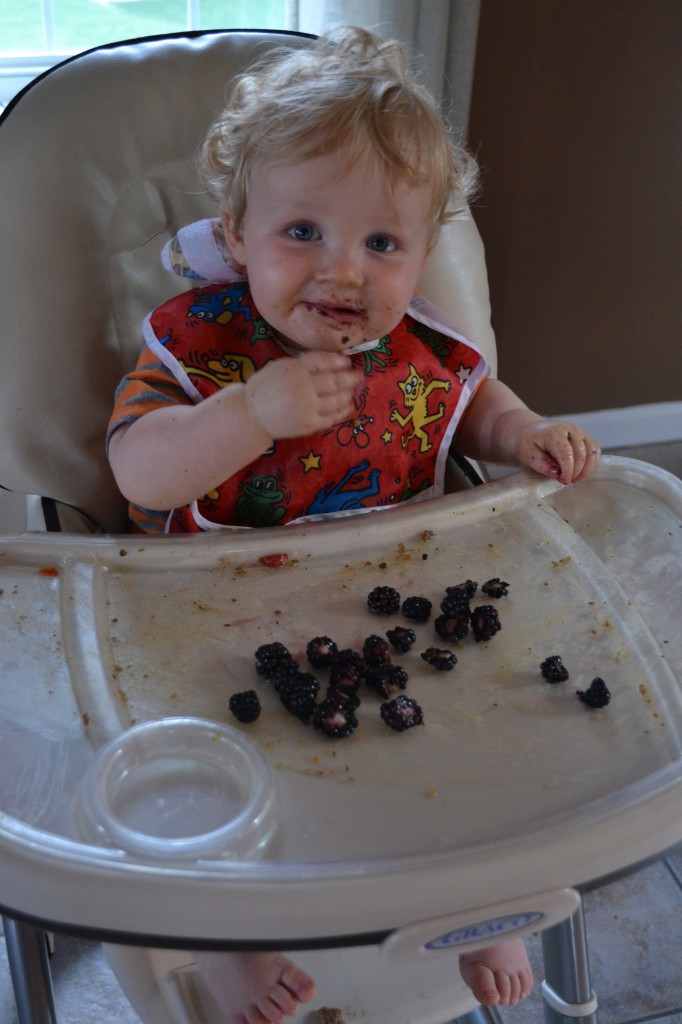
x,y
576,121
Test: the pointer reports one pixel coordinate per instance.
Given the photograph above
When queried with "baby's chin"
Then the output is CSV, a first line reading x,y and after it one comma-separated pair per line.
x,y
341,342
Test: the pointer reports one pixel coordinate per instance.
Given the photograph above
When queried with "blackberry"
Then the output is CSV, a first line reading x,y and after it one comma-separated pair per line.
x,y
321,651
456,603
485,622
375,651
596,695
442,660
334,719
452,628
245,706
386,679
401,638
346,671
269,656
469,587
383,600
283,671
345,676
298,695
416,608
401,713
347,656
553,669
344,698
495,587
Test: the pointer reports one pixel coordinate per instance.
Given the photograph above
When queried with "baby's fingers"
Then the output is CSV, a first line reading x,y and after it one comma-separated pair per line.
x,y
341,382
586,459
331,373
559,449
576,454
572,451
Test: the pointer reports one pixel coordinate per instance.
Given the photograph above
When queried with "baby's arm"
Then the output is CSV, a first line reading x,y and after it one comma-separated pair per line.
x,y
497,427
177,453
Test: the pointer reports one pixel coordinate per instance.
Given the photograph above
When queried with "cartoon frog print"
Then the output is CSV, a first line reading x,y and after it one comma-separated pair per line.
x,y
262,500
219,306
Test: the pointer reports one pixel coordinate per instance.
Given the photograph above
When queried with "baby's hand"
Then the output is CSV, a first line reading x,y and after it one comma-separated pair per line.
x,y
298,396
557,448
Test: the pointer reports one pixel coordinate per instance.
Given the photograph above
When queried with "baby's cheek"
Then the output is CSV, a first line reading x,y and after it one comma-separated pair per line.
x,y
384,319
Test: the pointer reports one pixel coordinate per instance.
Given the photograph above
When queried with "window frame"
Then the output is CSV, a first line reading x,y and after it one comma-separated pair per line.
x,y
18,70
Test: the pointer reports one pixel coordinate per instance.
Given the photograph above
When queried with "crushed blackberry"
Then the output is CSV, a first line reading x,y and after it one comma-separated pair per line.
x,y
269,656
321,651
437,658
495,587
386,679
485,622
401,713
298,695
401,638
469,587
346,670
245,706
345,676
597,695
553,669
383,600
347,656
375,651
416,608
334,719
452,628
344,698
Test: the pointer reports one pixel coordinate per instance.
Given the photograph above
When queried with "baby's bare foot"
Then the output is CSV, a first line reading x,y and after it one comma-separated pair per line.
x,y
255,988
498,974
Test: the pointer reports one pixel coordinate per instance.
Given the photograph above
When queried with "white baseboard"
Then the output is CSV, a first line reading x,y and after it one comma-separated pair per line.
x,y
658,423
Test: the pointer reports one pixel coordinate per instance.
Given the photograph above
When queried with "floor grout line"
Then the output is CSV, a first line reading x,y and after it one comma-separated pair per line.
x,y
654,1018
676,876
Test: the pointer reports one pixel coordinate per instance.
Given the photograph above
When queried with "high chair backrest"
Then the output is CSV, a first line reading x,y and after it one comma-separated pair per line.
x,y
97,172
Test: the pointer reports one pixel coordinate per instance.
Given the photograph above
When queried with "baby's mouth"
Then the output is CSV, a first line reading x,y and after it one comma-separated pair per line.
x,y
342,315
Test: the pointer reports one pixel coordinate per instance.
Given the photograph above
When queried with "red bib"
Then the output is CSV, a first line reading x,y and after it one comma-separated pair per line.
x,y
416,383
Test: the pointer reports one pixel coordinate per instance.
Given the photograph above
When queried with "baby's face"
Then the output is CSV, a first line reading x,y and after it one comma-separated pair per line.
x,y
332,260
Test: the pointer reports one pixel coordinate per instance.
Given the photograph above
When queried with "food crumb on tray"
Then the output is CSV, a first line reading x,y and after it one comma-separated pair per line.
x,y
329,1015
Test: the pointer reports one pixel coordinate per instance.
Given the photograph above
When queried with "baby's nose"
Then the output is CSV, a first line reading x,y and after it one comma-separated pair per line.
x,y
343,266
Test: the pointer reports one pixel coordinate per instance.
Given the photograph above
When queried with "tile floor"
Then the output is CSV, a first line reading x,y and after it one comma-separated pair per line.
x,y
634,930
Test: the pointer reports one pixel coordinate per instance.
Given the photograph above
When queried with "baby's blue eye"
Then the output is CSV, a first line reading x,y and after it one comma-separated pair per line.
x,y
380,243
303,232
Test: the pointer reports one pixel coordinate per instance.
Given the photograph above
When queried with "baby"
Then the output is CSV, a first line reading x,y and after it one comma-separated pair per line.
x,y
307,380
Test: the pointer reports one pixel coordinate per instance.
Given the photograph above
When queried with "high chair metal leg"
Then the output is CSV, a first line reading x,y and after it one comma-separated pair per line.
x,y
30,970
567,989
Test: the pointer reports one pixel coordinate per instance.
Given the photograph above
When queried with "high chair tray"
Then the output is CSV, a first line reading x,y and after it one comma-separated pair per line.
x,y
510,787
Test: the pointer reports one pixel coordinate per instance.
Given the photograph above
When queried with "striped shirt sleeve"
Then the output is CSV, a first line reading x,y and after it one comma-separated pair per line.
x,y
149,386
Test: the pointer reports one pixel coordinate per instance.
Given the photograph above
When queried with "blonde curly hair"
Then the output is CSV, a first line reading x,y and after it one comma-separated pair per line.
x,y
349,90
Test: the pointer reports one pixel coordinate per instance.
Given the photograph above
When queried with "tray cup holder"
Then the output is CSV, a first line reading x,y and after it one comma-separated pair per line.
x,y
180,789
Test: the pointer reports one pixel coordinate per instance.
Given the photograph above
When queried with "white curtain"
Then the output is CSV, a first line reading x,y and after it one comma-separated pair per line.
x,y
441,34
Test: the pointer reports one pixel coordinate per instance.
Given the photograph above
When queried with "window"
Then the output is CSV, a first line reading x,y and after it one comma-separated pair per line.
x,y
35,34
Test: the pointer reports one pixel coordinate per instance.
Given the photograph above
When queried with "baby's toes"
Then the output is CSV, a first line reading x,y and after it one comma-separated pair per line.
x,y
298,983
505,988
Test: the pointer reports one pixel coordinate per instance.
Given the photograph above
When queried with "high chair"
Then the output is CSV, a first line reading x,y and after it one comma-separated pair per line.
x,y
97,165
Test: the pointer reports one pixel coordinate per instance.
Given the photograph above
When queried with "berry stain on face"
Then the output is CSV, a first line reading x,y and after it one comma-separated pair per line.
x,y
322,279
